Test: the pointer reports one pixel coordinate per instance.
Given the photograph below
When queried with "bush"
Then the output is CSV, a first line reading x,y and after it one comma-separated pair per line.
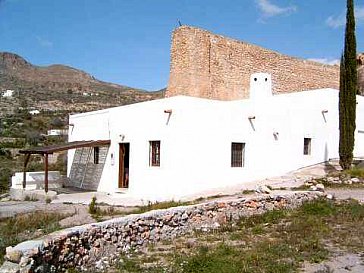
x,y
356,172
92,207
57,123
5,175
5,153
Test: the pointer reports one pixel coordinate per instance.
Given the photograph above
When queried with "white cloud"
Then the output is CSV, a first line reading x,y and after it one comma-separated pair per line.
x,y
269,9
336,21
325,61
43,42
340,20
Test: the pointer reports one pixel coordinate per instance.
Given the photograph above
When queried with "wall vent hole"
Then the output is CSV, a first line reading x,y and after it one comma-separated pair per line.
x,y
255,79
266,79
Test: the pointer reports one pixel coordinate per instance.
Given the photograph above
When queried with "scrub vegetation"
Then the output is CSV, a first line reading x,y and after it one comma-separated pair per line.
x,y
100,212
25,227
277,241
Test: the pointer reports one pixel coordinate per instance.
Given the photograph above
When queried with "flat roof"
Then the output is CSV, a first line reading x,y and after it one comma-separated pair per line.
x,y
65,146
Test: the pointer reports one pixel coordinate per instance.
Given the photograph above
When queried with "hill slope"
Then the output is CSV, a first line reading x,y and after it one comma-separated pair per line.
x,y
59,87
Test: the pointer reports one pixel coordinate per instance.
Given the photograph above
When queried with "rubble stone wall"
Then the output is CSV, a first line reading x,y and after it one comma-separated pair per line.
x,y
99,245
211,66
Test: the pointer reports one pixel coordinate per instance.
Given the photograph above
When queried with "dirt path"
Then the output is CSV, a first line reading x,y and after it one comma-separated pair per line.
x,y
79,212
340,262
343,193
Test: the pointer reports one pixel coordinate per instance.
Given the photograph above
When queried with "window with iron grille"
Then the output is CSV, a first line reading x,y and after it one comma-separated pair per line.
x,y
154,153
307,146
237,154
96,155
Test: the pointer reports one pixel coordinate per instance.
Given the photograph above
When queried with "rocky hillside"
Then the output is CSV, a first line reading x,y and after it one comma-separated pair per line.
x,y
59,87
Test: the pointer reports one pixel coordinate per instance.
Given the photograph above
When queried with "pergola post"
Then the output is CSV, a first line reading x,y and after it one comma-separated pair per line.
x,y
45,151
46,173
26,160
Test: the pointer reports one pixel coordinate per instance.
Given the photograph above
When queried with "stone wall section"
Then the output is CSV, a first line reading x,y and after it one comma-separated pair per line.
x,y
99,245
211,66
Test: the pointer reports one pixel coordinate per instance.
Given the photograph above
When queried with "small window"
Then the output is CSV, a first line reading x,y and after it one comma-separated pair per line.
x,y
237,154
154,153
307,146
96,155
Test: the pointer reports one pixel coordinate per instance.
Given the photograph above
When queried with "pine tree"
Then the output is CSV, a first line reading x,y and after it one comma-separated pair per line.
x,y
348,90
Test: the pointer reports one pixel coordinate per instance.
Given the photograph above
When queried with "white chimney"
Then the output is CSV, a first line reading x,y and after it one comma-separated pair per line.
x,y
260,86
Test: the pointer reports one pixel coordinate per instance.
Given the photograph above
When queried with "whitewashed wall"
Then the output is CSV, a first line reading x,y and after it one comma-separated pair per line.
x,y
196,141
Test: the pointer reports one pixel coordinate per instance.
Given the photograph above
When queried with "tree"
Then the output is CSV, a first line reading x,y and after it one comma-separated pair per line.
x,y
348,90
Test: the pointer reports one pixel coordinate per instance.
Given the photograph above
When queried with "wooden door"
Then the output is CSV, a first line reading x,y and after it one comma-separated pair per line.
x,y
123,165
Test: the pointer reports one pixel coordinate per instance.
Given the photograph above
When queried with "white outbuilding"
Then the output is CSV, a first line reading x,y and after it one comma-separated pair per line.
x,y
180,146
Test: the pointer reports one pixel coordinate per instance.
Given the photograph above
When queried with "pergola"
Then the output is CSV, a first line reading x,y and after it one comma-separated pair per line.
x,y
47,150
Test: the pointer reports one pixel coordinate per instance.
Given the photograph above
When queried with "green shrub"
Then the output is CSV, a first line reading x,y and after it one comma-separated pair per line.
x,y
356,172
5,175
92,207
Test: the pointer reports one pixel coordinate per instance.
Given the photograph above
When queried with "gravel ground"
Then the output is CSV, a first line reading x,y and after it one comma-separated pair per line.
x,y
357,194
340,262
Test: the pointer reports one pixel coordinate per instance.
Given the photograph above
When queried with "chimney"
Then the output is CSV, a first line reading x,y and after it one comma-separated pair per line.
x,y
260,86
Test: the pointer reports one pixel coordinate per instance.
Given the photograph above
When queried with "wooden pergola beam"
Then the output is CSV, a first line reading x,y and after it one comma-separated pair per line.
x,y
45,151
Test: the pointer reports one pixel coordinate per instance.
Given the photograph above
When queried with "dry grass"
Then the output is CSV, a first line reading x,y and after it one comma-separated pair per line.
x,y
25,227
277,241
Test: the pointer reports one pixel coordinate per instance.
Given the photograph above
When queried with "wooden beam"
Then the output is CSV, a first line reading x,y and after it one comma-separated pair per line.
x,y
46,173
26,160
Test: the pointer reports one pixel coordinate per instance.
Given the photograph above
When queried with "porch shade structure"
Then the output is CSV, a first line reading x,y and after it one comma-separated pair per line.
x,y
47,150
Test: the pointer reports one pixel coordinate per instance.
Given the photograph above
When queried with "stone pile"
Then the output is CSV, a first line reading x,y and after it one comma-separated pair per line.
x,y
340,179
344,180
99,245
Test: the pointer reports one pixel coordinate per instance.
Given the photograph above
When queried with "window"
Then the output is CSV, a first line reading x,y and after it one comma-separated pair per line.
x,y
237,154
154,153
96,155
307,146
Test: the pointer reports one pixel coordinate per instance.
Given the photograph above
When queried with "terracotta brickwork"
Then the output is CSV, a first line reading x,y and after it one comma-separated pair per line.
x,y
207,65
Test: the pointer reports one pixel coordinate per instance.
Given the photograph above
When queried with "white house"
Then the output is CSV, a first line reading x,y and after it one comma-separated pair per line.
x,y
57,132
178,146
8,93
34,112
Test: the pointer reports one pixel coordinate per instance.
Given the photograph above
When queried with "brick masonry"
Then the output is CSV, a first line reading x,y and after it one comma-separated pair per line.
x,y
207,65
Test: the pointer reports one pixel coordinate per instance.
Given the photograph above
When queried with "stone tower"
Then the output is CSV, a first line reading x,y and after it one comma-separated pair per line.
x,y
211,66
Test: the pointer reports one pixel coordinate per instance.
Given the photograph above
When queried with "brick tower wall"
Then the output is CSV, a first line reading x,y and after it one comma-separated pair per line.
x,y
211,66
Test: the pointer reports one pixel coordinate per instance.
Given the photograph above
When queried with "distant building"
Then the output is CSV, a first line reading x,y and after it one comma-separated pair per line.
x,y
181,146
34,112
7,93
57,132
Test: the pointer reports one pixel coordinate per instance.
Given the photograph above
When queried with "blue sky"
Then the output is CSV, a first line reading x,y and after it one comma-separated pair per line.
x,y
128,41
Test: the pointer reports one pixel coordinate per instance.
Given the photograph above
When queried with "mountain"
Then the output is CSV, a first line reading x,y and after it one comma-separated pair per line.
x,y
60,88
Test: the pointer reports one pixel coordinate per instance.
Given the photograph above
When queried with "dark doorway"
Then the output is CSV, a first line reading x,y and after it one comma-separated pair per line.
x,y
124,152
